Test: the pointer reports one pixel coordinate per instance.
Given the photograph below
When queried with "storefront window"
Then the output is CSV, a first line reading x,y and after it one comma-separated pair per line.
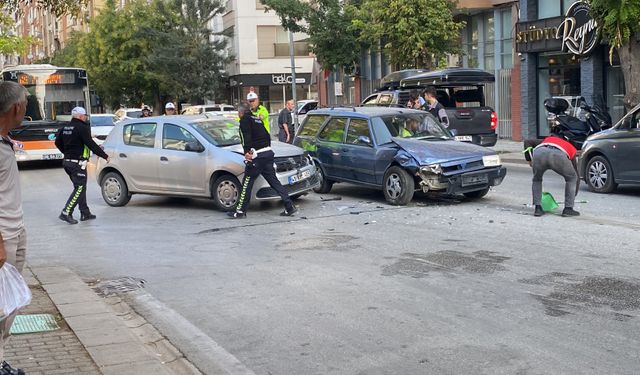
x,y
558,75
615,88
553,8
489,37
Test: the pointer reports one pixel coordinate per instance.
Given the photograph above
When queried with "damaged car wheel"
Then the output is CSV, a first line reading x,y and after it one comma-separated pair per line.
x,y
398,186
325,185
477,194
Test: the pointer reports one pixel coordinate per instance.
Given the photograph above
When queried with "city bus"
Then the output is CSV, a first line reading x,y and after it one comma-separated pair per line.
x,y
53,92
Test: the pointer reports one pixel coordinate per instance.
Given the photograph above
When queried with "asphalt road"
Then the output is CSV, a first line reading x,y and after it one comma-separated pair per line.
x,y
355,286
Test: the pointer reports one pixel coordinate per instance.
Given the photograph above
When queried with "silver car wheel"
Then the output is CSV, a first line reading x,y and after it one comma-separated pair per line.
x,y
228,193
112,189
598,174
394,186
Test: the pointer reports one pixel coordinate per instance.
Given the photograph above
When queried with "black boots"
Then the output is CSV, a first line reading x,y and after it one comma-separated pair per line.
x,y
68,218
569,211
87,216
538,211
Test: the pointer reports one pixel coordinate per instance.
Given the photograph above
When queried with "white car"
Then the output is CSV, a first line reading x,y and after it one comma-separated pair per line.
x,y
220,109
128,113
101,126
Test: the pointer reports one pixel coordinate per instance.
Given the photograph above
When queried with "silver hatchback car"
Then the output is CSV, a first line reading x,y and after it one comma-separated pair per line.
x,y
192,156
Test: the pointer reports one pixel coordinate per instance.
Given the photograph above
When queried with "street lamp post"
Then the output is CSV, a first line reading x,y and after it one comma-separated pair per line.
x,y
293,82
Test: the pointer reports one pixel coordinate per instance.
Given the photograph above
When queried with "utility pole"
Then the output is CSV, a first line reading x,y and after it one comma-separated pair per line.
x,y
293,82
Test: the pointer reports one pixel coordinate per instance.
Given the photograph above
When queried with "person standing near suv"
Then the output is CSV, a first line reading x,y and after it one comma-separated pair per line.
x,y
259,160
434,107
75,142
285,123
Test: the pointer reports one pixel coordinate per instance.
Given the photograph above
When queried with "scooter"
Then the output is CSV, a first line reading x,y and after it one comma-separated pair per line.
x,y
575,130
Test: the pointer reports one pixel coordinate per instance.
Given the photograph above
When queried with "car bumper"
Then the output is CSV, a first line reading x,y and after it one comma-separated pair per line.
x,y
476,180
262,190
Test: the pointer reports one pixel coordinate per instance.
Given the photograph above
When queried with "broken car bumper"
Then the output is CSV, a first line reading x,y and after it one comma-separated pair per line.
x,y
473,181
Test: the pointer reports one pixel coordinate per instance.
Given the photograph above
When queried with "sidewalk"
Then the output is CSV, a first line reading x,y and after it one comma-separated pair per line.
x,y
510,151
97,335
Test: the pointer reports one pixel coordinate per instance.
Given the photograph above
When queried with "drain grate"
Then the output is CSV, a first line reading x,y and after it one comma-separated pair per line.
x,y
34,323
118,286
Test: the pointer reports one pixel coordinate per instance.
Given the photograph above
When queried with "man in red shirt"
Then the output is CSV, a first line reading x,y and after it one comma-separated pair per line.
x,y
557,154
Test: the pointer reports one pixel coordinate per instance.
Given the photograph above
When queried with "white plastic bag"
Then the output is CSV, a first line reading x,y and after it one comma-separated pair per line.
x,y
14,291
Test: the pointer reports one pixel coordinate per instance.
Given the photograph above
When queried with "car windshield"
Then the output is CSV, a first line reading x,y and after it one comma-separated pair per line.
x,y
219,131
409,125
102,120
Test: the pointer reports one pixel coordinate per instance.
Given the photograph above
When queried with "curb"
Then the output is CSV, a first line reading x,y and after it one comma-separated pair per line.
x,y
118,344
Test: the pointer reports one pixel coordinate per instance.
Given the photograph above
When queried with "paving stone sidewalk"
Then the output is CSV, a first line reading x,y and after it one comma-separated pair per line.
x,y
48,353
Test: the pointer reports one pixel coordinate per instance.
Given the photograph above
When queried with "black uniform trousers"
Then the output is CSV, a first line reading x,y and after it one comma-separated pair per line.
x,y
261,165
78,174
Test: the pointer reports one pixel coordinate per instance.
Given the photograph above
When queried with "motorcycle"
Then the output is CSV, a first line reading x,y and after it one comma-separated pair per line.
x,y
576,130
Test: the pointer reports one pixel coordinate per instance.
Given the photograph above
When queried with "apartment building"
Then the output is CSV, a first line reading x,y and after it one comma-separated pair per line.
x,y
260,47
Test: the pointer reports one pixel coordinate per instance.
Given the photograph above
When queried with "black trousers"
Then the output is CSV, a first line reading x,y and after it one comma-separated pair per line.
x,y
261,165
78,175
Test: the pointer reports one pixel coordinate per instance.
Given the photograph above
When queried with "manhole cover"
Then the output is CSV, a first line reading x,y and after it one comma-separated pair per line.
x,y
118,286
34,323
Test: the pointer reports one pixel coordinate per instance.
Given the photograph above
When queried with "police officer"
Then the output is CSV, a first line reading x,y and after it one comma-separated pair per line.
x,y
258,110
256,142
74,140
146,111
434,107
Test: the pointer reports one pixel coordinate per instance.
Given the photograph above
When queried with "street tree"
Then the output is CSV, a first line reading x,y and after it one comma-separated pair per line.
x,y
57,7
620,23
9,42
413,33
333,39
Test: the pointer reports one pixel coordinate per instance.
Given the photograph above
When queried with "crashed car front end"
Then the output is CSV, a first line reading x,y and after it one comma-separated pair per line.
x,y
462,176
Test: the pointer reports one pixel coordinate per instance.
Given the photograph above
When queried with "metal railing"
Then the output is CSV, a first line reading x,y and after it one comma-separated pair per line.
x,y
500,91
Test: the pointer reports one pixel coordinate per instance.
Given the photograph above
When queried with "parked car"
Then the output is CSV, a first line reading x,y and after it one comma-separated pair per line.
x,y
460,91
215,108
610,158
190,156
395,150
101,126
303,107
128,113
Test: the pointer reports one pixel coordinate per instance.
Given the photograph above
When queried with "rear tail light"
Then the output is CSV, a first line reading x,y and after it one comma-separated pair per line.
x,y
494,121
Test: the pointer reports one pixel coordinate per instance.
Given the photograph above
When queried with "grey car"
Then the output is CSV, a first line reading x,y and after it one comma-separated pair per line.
x,y
192,156
610,157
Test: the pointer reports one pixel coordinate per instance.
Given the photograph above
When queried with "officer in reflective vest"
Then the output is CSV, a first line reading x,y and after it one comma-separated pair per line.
x,y
258,110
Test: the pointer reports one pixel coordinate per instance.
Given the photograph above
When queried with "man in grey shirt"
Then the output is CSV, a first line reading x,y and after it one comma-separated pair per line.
x,y
285,123
13,238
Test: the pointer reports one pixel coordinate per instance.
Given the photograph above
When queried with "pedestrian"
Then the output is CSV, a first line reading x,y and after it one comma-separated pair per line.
x,y
434,107
146,111
285,123
13,238
557,154
169,109
75,142
259,160
259,110
415,101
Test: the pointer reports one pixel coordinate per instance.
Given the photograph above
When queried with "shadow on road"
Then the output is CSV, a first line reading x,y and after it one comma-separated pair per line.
x,y
39,164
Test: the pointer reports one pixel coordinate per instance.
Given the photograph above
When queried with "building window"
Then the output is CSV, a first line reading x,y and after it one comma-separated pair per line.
x,y
489,41
553,8
615,89
273,41
558,75
259,5
506,40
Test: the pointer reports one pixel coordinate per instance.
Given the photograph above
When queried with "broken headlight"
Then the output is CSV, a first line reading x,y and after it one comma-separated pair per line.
x,y
432,168
491,160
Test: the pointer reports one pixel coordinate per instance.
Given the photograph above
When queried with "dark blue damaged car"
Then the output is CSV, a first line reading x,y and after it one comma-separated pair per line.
x,y
399,151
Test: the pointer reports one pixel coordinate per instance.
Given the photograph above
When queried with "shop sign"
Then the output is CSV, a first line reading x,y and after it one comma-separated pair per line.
x,y
283,79
578,31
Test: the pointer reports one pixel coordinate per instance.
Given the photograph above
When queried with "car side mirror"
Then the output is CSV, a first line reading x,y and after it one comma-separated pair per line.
x,y
453,132
194,147
363,139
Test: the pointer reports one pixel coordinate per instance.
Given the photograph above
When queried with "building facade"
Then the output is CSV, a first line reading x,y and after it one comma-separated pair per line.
x,y
260,47
562,54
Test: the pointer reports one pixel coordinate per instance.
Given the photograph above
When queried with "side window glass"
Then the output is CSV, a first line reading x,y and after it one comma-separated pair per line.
x,y
385,99
357,128
312,125
334,130
370,100
176,138
383,129
141,135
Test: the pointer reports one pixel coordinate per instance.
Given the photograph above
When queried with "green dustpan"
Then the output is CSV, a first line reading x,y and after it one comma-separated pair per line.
x,y
548,203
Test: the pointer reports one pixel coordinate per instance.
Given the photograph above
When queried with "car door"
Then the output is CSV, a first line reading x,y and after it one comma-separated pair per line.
x,y
329,146
183,161
137,156
358,153
626,149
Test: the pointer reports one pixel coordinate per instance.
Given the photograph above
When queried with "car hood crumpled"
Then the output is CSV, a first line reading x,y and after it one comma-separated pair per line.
x,y
441,151
280,149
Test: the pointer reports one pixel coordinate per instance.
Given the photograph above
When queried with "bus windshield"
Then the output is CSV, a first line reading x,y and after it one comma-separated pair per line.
x,y
53,91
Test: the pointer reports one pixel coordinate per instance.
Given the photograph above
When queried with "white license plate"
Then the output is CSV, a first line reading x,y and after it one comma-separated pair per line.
x,y
475,179
52,156
464,138
299,177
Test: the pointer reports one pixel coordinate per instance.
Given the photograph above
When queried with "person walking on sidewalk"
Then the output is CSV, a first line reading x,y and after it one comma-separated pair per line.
x,y
13,238
285,123
256,142
74,141
557,154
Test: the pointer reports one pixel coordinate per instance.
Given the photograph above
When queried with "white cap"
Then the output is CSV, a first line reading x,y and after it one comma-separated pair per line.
x,y
252,95
169,106
78,111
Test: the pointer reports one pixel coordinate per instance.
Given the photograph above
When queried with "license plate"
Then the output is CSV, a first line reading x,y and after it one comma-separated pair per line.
x,y
475,179
299,177
464,138
52,156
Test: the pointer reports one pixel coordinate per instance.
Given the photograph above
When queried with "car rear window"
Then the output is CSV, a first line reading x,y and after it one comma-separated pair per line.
x,y
312,125
141,135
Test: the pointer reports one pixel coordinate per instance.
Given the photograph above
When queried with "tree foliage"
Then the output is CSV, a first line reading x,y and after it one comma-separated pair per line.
x,y
57,7
333,39
413,33
620,23
10,43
